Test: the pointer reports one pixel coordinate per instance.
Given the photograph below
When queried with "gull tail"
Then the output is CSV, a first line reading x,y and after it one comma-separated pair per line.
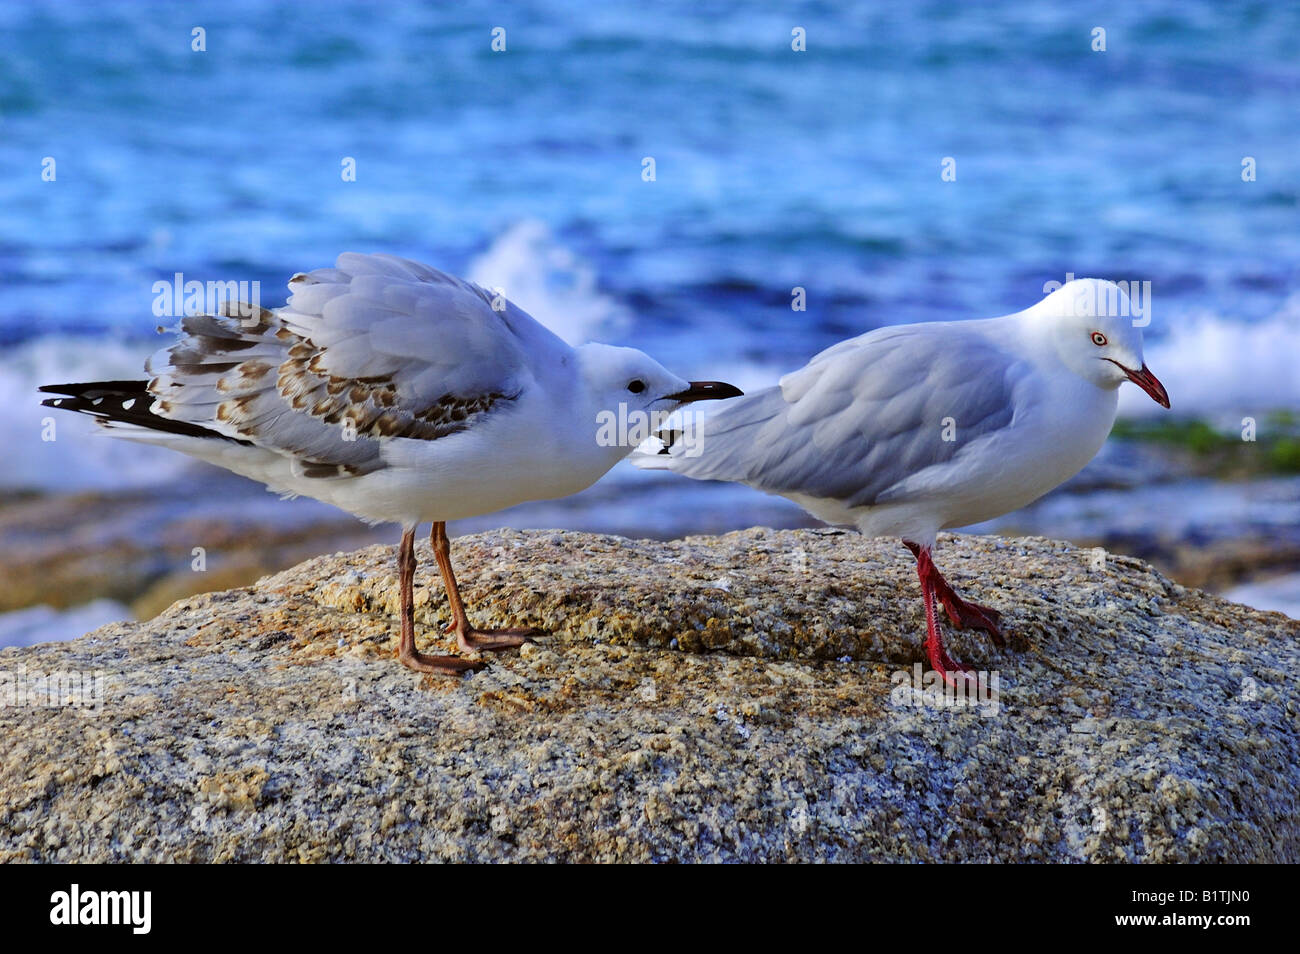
x,y
656,453
122,405
720,446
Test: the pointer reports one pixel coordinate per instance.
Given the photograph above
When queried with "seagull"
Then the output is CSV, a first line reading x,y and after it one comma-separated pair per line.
x,y
912,429
400,394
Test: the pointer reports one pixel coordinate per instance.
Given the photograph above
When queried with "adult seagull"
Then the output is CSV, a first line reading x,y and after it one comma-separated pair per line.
x,y
913,429
399,394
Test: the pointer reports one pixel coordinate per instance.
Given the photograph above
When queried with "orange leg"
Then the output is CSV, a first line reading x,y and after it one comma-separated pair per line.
x,y
406,651
467,637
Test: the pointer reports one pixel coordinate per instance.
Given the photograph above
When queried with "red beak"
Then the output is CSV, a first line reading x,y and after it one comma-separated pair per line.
x,y
1150,383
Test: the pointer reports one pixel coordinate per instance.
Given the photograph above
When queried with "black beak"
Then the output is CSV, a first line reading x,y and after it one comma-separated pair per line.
x,y
705,391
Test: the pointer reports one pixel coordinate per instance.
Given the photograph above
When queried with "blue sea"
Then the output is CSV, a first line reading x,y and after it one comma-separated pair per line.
x,y
1171,155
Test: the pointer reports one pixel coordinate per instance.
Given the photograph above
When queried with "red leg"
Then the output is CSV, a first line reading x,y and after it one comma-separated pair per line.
x,y
939,659
962,613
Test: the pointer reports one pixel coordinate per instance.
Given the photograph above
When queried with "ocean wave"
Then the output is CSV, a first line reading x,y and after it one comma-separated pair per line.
x,y
79,457
550,282
1222,369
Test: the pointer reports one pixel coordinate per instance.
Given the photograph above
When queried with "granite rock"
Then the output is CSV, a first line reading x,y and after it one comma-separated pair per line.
x,y
746,697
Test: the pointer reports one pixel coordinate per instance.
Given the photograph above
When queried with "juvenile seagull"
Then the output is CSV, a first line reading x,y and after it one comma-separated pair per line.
x,y
399,394
909,430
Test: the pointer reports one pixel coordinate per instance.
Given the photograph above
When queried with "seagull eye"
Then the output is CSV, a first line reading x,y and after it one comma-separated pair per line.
x,y
636,386
1098,338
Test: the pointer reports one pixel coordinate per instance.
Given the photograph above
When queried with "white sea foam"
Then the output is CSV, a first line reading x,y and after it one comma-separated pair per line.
x,y
78,458
550,282
1221,369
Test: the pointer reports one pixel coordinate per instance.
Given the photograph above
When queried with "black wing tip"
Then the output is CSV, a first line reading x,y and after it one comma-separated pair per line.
x,y
85,389
73,402
104,399
107,402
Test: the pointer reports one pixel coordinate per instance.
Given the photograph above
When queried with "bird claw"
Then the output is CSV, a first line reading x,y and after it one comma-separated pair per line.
x,y
954,673
440,665
962,614
495,640
966,615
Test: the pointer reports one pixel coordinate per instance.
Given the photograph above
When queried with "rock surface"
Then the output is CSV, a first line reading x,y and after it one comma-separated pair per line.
x,y
713,698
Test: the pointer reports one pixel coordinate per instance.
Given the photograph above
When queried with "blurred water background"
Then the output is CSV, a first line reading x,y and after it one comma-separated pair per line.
x,y
773,169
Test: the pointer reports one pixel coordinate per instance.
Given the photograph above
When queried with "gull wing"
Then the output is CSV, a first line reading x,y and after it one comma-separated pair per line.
x,y
376,347
864,420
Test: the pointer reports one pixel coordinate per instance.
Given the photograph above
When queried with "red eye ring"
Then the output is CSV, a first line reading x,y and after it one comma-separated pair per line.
x,y
1098,339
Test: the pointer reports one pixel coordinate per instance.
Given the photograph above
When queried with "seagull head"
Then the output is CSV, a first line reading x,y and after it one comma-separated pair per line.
x,y
631,395
625,376
1093,329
